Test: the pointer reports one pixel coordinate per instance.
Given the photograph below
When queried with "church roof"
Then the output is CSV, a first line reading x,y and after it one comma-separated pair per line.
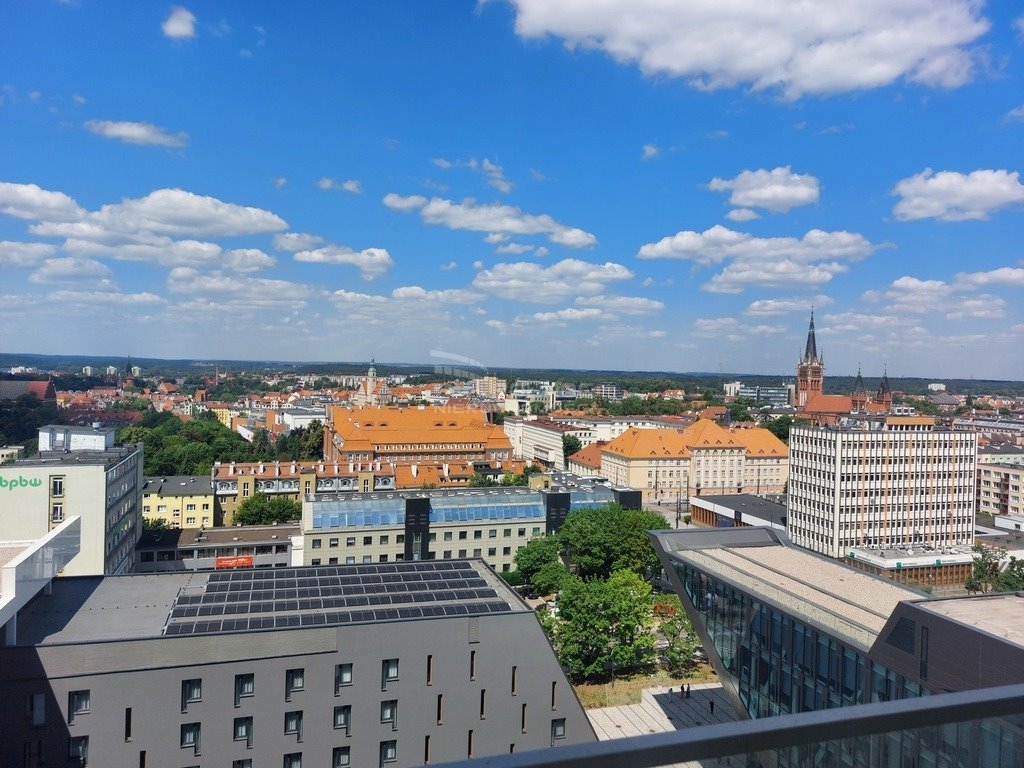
x,y
811,348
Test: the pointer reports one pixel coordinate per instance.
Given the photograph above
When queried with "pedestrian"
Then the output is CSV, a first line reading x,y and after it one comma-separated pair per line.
x,y
687,690
711,703
680,691
670,690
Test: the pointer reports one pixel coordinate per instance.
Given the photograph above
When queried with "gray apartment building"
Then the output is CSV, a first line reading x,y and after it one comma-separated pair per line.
x,y
389,664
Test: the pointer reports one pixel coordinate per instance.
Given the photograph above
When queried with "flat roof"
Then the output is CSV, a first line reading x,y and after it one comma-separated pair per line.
x,y
178,485
1000,615
849,603
201,537
78,456
111,608
748,504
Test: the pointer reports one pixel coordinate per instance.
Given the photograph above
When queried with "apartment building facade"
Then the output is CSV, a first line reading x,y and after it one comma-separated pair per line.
x,y
181,501
881,482
81,472
391,665
1000,489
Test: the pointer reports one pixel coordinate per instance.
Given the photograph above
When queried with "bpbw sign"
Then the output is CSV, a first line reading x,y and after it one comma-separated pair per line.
x,y
19,482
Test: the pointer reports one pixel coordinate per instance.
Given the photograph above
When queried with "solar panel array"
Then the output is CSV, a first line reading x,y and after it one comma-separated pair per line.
x,y
333,595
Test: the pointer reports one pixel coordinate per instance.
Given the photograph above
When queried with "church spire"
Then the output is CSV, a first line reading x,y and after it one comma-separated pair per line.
x,y
811,350
858,384
884,390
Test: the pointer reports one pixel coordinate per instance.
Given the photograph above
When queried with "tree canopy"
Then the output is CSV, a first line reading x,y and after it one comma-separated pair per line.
x,y
601,541
538,552
994,572
260,509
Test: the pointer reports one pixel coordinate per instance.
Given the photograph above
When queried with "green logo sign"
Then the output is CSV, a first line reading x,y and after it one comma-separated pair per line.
x,y
19,482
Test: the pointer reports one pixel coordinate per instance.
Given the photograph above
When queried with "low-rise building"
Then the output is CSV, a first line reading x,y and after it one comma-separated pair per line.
x,y
80,472
181,501
1000,489
538,439
736,511
250,546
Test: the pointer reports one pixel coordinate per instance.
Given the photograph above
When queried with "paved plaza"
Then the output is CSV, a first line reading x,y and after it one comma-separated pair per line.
x,y
660,711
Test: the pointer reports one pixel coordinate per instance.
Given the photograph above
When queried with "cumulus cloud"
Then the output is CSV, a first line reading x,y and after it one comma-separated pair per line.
x,y
248,260
731,329
719,243
296,241
449,266
1009,276
350,185
177,212
816,47
250,292
742,214
515,248
571,313
181,24
14,254
952,196
353,298
650,151
136,133
784,273
29,201
776,190
104,298
622,305
983,307
279,181
371,262
773,307
448,296
494,173
157,250
492,218
71,270
531,282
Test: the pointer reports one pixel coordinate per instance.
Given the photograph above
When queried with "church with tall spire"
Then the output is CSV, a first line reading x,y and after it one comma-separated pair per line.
x,y
810,371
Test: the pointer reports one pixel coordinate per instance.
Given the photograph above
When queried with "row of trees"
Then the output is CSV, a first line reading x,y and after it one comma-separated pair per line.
x,y
176,447
605,619
994,572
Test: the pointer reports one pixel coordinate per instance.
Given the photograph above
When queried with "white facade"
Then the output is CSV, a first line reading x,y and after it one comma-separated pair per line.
x,y
897,482
999,489
490,387
62,438
102,488
541,440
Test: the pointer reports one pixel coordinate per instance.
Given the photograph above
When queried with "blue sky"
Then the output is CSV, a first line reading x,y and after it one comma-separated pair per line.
x,y
630,185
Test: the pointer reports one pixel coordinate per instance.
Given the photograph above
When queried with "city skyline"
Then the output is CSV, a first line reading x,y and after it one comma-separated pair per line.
x,y
630,188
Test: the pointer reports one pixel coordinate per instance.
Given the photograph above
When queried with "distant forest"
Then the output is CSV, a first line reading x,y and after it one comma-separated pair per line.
x,y
154,369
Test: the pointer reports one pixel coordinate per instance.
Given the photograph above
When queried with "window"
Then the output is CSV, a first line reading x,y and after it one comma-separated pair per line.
x,y
522,719
342,677
462,535
388,752
469,743
478,534
191,691
293,725
554,695
389,713
332,542
340,757
385,539
78,704
57,513
440,708
343,719
294,680
315,561
293,760
245,686
367,541
243,731
35,708
492,551
350,541
247,763
190,507
557,729
388,672
128,724
430,669
515,680
447,535
472,665
426,749
57,485
317,543
78,749
483,703
190,733
350,560
477,552
190,521
492,533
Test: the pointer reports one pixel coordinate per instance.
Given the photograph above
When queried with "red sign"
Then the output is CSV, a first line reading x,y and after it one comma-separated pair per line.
x,y
240,561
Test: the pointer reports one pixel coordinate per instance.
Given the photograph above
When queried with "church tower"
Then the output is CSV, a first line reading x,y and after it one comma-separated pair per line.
x,y
859,398
810,371
884,395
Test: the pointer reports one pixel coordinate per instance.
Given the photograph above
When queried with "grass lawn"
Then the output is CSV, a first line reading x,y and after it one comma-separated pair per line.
x,y
627,689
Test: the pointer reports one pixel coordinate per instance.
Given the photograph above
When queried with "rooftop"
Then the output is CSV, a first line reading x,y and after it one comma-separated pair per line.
x,y
748,504
64,458
203,537
97,609
1000,615
849,603
178,485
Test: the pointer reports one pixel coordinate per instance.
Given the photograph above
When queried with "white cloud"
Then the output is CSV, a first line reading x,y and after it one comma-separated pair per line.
x,y
571,313
29,201
326,183
136,133
731,329
784,273
449,266
720,243
71,270
78,99
1012,276
440,162
104,298
1017,113
515,248
492,218
249,292
952,196
531,282
776,190
622,305
353,298
371,262
157,250
296,241
496,176
13,254
773,307
352,185
983,307
817,46
449,296
180,24
279,181
495,237
650,151
911,294
404,204
742,214
248,260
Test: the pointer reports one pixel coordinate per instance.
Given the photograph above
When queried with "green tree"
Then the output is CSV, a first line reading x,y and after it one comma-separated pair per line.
x,y
630,607
312,448
780,427
538,408
603,540
262,449
259,509
538,552
548,579
677,633
993,572
570,445
154,524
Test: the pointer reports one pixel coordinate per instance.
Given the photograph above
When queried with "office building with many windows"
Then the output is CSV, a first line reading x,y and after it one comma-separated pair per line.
x,y
396,664
78,472
881,482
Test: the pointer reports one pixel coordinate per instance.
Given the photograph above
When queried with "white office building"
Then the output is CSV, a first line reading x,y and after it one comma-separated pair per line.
x,y
881,482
